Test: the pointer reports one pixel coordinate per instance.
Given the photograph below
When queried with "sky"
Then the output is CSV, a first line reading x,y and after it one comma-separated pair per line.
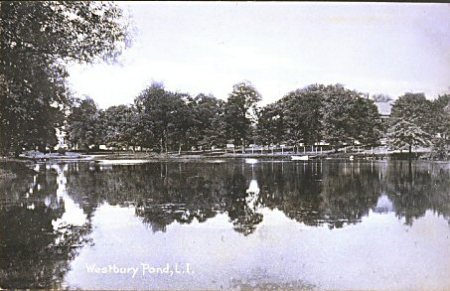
x,y
206,47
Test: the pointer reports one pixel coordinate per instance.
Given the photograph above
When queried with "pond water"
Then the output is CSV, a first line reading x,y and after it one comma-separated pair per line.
x,y
224,225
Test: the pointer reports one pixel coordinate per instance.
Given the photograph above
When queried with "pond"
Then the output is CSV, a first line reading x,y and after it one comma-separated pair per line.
x,y
227,225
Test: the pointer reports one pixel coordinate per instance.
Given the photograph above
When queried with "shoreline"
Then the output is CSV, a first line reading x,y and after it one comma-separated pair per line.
x,y
129,158
98,156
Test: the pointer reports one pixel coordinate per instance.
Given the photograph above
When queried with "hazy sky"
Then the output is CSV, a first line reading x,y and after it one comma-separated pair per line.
x,y
388,48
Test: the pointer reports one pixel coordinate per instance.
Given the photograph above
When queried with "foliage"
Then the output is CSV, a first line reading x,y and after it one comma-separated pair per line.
x,y
440,149
317,112
407,134
119,123
415,108
164,120
303,114
164,117
411,122
84,124
240,112
271,125
208,126
366,128
339,120
441,117
38,39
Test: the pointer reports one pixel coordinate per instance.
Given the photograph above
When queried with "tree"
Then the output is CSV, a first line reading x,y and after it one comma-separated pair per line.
x,y
441,126
348,117
271,124
85,127
208,128
441,116
411,121
367,127
38,39
182,122
318,112
240,112
415,108
120,126
337,118
164,117
404,133
303,114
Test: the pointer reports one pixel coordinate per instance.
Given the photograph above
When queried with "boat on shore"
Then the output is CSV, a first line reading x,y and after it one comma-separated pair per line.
x,y
300,158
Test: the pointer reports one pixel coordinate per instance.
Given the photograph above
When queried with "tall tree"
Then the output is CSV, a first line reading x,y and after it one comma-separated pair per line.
x,y
208,128
38,39
303,114
182,123
240,112
411,121
120,126
441,126
85,127
404,133
271,124
348,117
366,125
337,118
441,116
415,108
163,117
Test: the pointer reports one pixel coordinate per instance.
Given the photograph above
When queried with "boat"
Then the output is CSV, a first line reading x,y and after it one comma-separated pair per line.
x,y
251,161
299,158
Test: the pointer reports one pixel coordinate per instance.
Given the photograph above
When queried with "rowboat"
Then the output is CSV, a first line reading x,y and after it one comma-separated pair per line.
x,y
251,161
299,158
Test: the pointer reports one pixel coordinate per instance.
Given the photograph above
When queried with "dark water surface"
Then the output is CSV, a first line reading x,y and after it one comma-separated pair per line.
x,y
289,225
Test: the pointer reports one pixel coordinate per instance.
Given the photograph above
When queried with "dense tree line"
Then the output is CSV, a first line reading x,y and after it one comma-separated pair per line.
x,y
162,120
165,121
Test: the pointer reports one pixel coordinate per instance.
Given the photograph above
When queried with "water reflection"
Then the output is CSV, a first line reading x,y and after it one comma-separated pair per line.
x,y
332,194
47,214
37,243
415,188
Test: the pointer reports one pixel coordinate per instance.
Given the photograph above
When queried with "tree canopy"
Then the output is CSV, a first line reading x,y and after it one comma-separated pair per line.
x,y
38,40
411,122
317,112
240,112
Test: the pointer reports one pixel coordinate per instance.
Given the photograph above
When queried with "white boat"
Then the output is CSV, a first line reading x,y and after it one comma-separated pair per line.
x,y
299,158
251,161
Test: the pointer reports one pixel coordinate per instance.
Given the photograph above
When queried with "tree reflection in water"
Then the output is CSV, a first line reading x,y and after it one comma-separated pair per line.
x,y
319,193
34,251
415,188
